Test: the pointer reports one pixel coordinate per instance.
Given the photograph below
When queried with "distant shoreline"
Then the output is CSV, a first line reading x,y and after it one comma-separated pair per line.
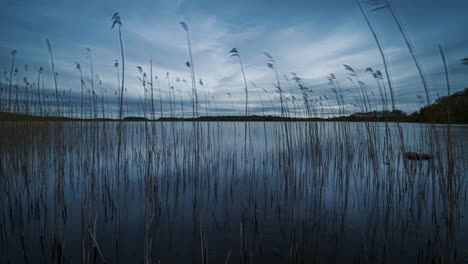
x,y
10,117
451,109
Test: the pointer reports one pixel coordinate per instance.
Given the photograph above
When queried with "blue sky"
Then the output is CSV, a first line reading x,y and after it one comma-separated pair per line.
x,y
310,38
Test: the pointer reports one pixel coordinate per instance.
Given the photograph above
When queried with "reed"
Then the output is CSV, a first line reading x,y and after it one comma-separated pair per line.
x,y
190,65
117,21
13,54
298,192
379,46
54,74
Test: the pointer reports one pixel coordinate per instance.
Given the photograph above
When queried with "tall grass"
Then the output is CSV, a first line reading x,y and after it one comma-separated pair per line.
x,y
387,4
153,113
379,45
13,54
303,192
39,101
54,74
190,65
117,21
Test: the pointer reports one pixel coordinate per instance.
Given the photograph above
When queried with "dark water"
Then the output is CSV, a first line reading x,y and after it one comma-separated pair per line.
x,y
215,192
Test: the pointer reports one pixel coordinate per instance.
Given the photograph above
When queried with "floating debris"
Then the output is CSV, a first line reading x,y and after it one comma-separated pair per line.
x,y
417,156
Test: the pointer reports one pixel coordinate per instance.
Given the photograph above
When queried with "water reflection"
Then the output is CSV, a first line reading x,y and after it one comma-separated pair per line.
x,y
223,191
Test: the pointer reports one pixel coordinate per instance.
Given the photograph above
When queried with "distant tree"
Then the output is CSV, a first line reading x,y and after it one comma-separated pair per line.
x,y
437,112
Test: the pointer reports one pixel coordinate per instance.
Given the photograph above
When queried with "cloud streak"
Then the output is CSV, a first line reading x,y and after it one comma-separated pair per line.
x,y
312,48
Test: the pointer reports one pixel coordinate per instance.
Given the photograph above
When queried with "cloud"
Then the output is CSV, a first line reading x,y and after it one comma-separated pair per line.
x,y
313,48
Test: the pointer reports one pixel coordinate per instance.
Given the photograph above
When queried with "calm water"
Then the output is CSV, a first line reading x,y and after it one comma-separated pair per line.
x,y
214,192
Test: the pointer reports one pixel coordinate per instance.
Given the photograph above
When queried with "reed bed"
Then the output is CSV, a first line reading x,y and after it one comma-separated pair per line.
x,y
273,192
67,198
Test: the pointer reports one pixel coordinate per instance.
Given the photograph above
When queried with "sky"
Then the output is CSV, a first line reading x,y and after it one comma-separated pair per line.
x,y
309,38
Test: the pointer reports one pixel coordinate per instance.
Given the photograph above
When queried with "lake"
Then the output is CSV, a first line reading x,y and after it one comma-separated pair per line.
x,y
230,192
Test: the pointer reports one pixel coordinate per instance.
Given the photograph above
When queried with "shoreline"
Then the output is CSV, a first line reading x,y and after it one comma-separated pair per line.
x,y
10,117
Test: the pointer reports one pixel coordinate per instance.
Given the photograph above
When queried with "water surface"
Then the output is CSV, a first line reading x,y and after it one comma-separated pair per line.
x,y
179,192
